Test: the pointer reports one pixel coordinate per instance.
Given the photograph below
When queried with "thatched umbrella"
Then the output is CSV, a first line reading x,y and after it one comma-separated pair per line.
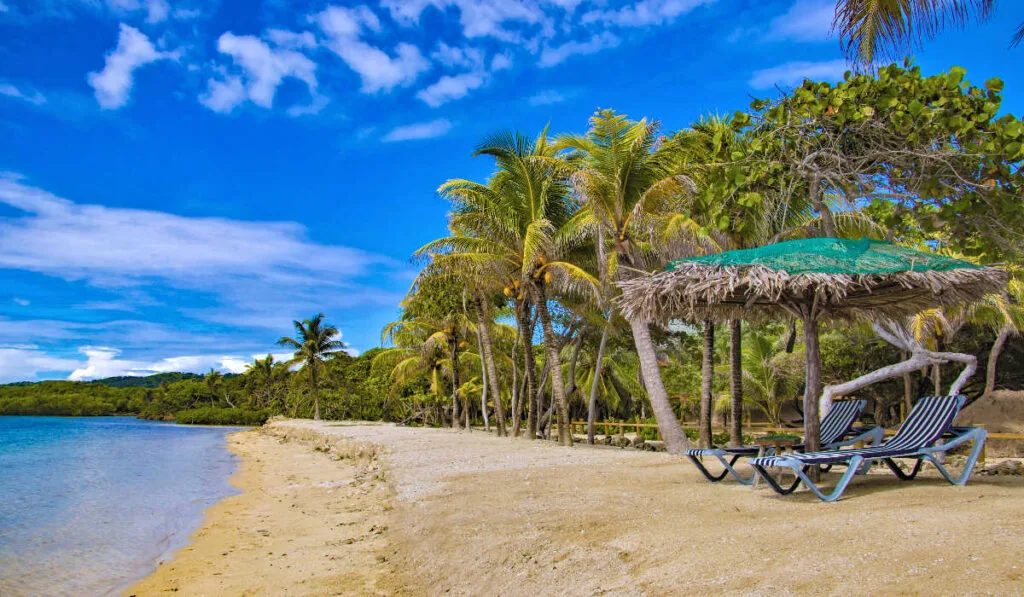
x,y
812,280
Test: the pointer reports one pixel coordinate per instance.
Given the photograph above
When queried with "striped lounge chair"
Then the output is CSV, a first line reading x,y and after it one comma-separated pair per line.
x,y
930,420
836,431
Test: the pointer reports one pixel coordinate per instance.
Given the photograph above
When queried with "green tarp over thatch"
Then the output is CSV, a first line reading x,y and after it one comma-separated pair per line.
x,y
833,277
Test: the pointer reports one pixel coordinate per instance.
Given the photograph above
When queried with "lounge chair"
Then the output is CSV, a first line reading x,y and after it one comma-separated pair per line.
x,y
836,431
930,420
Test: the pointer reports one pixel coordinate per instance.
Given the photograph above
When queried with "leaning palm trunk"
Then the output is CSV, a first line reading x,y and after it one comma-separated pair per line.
x,y
551,345
993,359
483,379
592,403
455,384
529,373
736,382
671,432
491,371
707,375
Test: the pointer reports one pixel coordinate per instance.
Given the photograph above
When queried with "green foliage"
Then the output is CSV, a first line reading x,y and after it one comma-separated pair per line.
x,y
149,381
221,416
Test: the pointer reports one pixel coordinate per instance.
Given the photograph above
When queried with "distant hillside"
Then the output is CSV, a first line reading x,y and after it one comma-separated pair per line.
x,y
149,381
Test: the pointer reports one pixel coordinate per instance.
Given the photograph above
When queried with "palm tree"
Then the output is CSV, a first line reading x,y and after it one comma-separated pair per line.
x,y
470,271
627,176
265,373
213,380
873,29
768,384
314,343
510,225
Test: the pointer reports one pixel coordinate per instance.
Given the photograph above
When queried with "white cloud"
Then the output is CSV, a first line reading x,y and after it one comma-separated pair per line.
x,y
263,70
378,70
103,361
3,7
449,88
21,363
468,58
422,130
34,97
58,237
234,273
645,13
185,14
793,73
545,98
553,56
291,40
113,84
479,18
805,21
156,10
501,62
22,302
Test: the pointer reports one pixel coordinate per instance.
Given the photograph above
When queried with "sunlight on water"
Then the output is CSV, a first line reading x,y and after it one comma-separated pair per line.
x,y
89,505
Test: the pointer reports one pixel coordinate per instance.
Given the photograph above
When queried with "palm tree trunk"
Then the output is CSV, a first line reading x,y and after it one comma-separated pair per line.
x,y
491,373
812,389
736,382
993,359
529,373
455,384
592,403
908,388
707,379
671,432
483,379
937,370
551,345
316,394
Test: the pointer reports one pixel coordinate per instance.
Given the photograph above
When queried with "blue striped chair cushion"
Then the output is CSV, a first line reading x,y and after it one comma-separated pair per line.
x,y
834,426
926,423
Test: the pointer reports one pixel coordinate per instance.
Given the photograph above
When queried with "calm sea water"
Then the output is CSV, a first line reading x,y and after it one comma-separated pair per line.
x,y
89,505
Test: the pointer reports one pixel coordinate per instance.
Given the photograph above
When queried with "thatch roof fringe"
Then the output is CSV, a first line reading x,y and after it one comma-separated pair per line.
x,y
696,291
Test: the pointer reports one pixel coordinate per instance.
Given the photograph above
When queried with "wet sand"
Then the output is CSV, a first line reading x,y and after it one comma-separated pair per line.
x,y
468,514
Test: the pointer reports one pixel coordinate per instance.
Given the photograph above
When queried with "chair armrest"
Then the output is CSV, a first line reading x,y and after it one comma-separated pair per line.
x,y
961,435
860,434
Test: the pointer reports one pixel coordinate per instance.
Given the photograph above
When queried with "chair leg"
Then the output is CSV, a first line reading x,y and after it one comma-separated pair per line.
x,y
760,470
801,473
889,462
851,470
728,469
979,436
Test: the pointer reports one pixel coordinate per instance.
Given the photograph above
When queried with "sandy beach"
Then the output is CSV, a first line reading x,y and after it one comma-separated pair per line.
x,y
343,509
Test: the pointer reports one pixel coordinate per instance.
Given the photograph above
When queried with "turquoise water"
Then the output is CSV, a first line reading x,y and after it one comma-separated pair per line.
x,y
89,505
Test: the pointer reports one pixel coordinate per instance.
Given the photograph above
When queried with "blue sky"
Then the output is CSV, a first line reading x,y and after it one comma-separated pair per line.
x,y
180,180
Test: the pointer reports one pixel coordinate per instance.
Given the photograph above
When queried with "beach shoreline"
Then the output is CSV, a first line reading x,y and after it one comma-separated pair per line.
x,y
431,511
272,538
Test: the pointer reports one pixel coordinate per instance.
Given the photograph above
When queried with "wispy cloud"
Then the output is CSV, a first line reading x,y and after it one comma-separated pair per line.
x,y
33,97
804,21
19,363
216,276
552,56
22,302
421,130
546,98
793,73
449,88
134,50
645,13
